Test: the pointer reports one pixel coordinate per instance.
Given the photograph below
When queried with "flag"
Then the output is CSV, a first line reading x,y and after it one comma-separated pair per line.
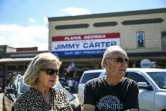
x,y
70,66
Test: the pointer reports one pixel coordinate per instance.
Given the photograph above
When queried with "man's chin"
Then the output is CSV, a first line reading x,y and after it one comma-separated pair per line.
x,y
122,73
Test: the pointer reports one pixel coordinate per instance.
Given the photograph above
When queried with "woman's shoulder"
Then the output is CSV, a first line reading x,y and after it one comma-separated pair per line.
x,y
22,101
30,93
23,97
57,90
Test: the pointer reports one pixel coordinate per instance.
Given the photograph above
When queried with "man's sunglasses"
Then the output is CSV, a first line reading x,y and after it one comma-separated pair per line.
x,y
50,71
120,60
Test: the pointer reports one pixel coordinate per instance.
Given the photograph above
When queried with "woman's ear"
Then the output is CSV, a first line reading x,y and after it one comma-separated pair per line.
x,y
105,62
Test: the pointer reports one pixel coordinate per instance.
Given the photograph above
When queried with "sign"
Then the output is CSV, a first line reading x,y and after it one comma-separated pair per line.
x,y
145,63
84,45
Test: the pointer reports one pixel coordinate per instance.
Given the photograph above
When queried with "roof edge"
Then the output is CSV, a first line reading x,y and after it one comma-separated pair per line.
x,y
113,14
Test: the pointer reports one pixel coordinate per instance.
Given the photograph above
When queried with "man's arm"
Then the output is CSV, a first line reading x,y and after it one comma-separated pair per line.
x,y
88,107
132,96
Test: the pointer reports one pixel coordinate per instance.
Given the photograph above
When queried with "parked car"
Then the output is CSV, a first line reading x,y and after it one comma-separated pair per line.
x,y
16,87
151,83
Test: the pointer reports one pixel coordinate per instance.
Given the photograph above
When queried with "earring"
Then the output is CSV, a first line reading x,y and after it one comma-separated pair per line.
x,y
36,79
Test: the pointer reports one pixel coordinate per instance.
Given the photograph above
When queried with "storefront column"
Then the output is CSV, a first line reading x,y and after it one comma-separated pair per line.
x,y
4,76
134,64
164,64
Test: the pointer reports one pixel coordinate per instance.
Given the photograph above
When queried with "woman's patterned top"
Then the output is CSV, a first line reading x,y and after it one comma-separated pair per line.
x,y
32,100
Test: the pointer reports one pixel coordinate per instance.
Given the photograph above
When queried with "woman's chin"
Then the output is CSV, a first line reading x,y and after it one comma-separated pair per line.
x,y
51,84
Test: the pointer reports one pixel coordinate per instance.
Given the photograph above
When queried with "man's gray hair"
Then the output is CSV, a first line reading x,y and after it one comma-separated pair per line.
x,y
111,51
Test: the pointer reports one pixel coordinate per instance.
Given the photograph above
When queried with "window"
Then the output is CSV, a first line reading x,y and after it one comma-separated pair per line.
x,y
23,87
105,24
89,76
159,78
163,34
12,82
140,39
143,21
136,77
12,68
72,26
21,67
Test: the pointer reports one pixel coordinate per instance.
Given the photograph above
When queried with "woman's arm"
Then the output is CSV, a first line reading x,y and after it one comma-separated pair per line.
x,y
66,102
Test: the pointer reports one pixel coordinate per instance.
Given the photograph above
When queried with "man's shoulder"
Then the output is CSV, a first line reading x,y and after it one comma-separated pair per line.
x,y
95,80
129,81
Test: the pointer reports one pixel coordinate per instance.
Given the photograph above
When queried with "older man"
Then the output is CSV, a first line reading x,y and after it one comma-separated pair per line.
x,y
113,92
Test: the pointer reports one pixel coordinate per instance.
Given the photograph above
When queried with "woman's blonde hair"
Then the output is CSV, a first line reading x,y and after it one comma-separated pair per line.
x,y
37,64
111,50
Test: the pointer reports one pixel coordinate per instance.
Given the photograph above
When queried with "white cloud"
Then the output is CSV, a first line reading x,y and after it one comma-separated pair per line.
x,y
76,11
2,40
45,19
31,20
20,36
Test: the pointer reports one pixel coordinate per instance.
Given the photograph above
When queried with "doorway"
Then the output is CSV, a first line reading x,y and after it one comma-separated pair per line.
x,y
163,41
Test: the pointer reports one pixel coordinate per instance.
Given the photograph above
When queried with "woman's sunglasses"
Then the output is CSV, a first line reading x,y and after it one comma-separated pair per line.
x,y
120,60
50,71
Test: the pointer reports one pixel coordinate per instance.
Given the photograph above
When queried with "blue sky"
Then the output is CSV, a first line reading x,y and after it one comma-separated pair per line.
x,y
23,23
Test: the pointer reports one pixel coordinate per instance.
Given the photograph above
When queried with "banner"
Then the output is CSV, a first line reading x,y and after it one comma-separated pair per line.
x,y
84,45
70,66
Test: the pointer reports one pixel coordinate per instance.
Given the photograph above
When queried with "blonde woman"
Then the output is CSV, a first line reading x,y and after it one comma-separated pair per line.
x,y
41,76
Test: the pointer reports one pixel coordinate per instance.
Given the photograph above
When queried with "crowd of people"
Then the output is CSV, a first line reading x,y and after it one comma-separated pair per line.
x,y
72,83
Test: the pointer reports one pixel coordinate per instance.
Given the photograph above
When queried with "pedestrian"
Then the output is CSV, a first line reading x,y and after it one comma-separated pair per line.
x,y
76,85
41,76
114,92
70,84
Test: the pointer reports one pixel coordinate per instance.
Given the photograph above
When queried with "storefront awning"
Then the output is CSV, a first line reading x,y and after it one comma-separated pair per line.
x,y
5,60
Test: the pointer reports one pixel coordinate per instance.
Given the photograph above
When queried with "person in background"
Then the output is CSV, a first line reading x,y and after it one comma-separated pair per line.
x,y
62,80
76,85
114,92
71,84
41,76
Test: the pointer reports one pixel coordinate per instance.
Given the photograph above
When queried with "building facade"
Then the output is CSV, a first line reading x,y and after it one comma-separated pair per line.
x,y
14,61
84,38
